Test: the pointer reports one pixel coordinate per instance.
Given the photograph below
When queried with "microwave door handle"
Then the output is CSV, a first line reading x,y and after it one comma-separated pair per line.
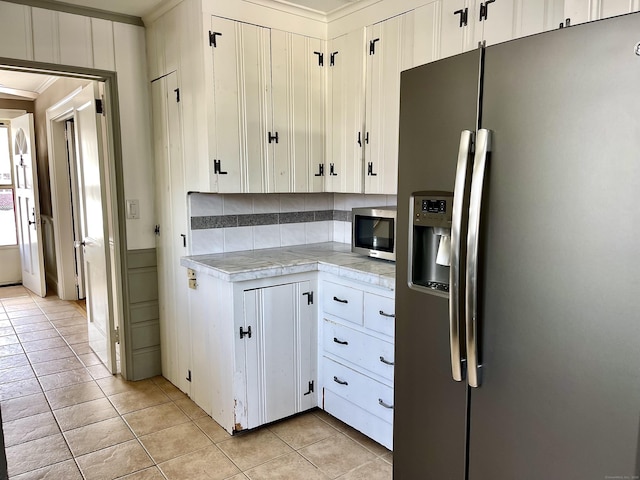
x,y
460,188
483,147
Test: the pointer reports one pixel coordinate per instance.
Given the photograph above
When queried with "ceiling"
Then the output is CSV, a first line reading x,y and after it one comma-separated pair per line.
x,y
22,85
140,8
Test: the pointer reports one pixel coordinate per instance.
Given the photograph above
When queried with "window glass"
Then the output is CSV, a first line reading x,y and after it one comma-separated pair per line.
x,y
7,210
5,159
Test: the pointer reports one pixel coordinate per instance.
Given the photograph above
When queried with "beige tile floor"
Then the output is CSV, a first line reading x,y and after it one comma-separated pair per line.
x,y
66,418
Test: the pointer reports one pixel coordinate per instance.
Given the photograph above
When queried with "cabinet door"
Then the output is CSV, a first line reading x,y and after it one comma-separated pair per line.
x,y
498,24
425,28
346,113
280,356
580,11
240,117
298,94
171,214
457,35
387,50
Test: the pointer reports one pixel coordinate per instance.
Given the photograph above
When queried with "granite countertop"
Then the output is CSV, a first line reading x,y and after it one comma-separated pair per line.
x,y
332,257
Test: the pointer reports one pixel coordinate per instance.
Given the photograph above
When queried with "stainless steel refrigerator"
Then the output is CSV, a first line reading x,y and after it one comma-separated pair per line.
x,y
518,260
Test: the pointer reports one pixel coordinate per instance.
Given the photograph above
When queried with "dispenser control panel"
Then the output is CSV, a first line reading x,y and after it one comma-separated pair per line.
x,y
432,209
434,206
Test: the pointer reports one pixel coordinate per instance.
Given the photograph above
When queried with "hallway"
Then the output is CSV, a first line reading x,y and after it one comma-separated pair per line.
x,y
66,417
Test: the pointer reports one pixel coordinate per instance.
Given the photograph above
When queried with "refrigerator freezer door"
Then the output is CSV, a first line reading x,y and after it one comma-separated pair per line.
x,y
483,146
559,252
437,102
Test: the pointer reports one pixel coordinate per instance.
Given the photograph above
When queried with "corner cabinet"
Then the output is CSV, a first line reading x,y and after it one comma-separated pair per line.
x,y
345,116
254,349
265,109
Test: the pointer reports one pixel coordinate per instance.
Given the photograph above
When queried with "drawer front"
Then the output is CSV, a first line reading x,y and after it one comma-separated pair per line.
x,y
343,302
365,422
365,351
379,313
372,396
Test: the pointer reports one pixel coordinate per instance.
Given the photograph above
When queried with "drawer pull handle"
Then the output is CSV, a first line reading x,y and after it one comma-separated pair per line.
x,y
336,299
388,315
385,361
384,404
341,342
341,382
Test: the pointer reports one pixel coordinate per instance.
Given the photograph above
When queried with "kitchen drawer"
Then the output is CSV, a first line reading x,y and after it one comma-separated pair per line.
x,y
363,421
358,348
343,302
379,313
372,396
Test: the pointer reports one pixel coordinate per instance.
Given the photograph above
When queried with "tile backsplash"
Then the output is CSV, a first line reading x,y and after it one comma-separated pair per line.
x,y
236,222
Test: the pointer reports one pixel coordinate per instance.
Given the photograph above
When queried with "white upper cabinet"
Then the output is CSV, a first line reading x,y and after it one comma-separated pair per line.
x,y
298,95
389,50
580,11
465,23
345,114
266,131
240,114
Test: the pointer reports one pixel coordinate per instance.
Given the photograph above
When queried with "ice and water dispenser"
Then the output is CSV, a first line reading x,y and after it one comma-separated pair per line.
x,y
430,241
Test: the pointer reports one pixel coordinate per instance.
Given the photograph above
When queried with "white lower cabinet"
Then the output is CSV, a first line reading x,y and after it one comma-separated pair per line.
x,y
357,356
254,349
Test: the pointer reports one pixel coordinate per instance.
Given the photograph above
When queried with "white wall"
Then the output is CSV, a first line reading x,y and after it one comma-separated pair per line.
x,y
41,35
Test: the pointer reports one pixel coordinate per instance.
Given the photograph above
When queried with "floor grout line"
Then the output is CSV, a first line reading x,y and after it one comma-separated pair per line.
x,y
161,385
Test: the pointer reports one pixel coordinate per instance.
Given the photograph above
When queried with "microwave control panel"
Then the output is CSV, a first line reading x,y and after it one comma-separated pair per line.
x,y
432,209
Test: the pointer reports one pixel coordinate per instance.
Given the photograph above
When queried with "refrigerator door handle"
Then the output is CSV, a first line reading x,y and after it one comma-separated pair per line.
x,y
483,147
457,362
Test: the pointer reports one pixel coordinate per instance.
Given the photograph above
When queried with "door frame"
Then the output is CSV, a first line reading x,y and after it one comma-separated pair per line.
x,y
116,194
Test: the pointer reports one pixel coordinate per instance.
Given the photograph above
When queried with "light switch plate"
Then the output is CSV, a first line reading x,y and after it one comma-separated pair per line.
x,y
133,209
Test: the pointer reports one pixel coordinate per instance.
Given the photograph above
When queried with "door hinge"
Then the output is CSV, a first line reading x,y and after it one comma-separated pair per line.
x,y
484,9
320,58
217,167
309,297
320,170
372,46
212,38
464,16
116,335
188,379
157,230
177,90
311,385
370,170
271,138
332,59
99,106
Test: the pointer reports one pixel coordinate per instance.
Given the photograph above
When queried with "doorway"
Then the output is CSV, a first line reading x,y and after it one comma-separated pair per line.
x,y
80,218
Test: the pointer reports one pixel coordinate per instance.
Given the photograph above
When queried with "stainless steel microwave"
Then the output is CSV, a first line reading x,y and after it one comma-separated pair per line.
x,y
373,232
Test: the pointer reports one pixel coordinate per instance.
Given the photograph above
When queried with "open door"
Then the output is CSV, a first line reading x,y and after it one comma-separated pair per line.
x,y
28,204
94,226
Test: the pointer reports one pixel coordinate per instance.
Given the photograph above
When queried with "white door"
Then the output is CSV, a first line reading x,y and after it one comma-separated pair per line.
x,y
28,204
76,207
94,227
171,242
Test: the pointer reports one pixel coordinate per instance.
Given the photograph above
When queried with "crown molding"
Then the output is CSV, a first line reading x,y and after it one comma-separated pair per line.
x,y
77,10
